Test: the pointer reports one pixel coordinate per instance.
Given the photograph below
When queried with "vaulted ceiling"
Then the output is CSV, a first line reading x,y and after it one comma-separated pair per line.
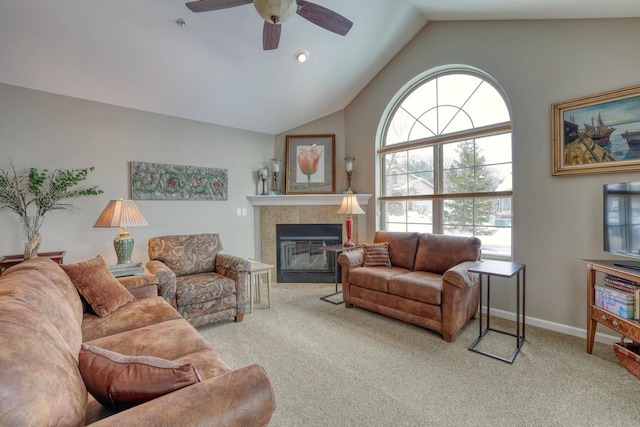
x,y
213,68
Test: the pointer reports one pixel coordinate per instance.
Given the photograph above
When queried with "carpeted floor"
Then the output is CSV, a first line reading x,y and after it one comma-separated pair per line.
x,y
332,366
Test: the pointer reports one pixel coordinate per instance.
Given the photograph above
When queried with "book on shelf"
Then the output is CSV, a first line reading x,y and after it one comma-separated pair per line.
x,y
619,302
620,283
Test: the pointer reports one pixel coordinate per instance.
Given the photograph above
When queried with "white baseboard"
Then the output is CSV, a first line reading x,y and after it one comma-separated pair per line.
x,y
556,327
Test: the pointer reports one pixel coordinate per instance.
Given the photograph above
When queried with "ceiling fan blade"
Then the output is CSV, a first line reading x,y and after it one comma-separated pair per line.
x,y
270,35
207,5
323,17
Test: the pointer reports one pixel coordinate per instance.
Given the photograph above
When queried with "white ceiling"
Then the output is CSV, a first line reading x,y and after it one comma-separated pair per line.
x,y
213,69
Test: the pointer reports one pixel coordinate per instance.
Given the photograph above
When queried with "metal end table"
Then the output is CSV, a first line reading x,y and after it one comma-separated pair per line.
x,y
508,270
337,250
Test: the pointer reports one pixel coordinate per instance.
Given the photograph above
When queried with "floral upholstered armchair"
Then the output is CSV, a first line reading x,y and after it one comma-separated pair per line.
x,y
204,285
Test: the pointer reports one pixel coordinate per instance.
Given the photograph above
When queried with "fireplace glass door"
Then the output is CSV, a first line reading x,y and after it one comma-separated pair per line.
x,y
300,254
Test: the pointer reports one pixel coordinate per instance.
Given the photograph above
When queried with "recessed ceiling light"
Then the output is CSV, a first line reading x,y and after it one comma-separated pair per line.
x,y
301,56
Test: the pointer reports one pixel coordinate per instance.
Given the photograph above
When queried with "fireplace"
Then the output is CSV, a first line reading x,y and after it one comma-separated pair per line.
x,y
300,255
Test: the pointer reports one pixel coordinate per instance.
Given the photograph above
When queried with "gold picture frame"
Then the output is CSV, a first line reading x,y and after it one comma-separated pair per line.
x,y
310,164
597,134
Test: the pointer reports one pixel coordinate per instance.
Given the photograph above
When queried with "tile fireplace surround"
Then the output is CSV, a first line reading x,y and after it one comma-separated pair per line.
x,y
300,209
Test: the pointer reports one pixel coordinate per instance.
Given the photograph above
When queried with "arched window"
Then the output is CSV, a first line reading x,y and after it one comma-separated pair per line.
x,y
445,159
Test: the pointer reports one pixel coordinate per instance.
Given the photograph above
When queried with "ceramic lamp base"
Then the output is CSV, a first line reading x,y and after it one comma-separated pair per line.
x,y
349,226
124,248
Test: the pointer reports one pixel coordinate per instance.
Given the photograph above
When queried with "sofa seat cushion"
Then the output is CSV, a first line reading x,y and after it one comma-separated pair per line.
x,y
376,278
169,340
419,286
136,314
394,305
203,287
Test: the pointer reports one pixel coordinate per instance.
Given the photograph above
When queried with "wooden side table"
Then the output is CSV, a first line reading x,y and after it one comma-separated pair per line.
x,y
255,273
11,260
501,269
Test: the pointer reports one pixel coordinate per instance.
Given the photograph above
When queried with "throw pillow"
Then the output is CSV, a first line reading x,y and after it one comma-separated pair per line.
x,y
118,381
376,255
97,285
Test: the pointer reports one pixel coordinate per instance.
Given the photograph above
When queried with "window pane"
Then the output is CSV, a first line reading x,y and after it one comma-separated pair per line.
x,y
487,107
398,130
499,243
496,148
395,211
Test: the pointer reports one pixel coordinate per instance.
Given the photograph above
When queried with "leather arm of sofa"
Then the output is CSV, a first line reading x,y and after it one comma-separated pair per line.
x,y
460,294
459,275
235,268
243,397
166,281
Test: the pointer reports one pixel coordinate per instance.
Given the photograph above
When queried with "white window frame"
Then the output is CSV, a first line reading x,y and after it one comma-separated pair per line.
x,y
437,141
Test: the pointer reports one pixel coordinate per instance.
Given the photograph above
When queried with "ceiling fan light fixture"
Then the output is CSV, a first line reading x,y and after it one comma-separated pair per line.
x,y
276,11
301,56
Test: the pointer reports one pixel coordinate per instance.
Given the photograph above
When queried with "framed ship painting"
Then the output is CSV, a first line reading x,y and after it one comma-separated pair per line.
x,y
597,134
310,164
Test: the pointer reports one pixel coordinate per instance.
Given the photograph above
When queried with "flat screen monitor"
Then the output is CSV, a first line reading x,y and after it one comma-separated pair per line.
x,y
622,221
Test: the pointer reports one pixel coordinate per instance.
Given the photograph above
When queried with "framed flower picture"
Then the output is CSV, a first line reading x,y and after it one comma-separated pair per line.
x,y
310,164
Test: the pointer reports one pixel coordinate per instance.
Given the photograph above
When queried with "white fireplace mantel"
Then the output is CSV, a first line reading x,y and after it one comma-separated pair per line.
x,y
304,199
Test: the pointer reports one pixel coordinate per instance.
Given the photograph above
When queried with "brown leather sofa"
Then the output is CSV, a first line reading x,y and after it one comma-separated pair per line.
x,y
427,283
43,325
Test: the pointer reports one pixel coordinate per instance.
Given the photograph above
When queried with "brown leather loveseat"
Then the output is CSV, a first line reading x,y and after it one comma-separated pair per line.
x,y
425,283
52,349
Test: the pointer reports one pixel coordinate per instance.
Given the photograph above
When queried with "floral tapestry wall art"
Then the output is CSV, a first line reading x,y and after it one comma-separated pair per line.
x,y
157,181
310,164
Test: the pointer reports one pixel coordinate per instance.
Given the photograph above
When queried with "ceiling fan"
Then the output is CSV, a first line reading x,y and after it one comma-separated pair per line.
x,y
277,12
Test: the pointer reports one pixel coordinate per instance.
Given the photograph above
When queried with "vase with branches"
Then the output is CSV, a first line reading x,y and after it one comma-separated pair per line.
x,y
33,193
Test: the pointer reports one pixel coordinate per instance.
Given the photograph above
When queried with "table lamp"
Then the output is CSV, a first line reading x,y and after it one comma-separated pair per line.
x,y
122,214
350,207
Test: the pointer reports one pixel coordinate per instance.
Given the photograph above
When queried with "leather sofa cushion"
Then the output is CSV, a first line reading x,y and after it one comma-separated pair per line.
x,y
402,247
438,253
41,384
158,340
119,381
39,294
396,306
419,286
52,271
136,314
97,285
376,278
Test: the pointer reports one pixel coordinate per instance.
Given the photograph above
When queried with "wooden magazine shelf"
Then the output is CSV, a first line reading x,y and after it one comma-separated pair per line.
x,y
626,327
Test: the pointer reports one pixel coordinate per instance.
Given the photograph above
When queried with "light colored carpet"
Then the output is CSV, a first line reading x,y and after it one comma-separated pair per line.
x,y
332,366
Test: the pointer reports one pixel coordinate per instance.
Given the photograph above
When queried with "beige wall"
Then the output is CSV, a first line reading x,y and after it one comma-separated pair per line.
x,y
50,131
557,219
